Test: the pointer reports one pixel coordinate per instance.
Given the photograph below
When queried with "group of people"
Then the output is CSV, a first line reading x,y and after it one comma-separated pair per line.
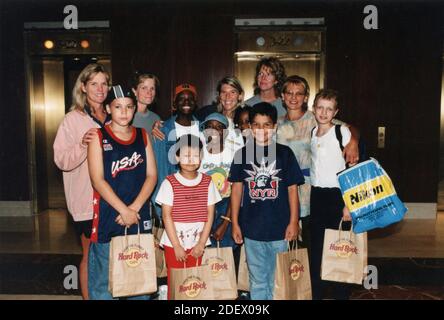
x,y
257,173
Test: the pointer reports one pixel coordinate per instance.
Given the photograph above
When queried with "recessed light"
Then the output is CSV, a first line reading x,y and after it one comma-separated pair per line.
x,y
48,44
84,44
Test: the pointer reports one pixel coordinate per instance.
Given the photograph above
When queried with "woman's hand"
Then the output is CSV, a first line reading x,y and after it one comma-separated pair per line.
x,y
351,152
156,133
88,136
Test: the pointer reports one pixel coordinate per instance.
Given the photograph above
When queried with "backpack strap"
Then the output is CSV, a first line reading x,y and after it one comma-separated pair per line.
x,y
311,133
339,136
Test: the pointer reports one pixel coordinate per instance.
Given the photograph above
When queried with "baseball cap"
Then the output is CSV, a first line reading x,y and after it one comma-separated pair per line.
x,y
217,117
183,87
118,91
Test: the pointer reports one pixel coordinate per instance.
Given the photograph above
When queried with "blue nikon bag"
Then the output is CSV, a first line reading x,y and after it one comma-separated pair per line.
x,y
370,196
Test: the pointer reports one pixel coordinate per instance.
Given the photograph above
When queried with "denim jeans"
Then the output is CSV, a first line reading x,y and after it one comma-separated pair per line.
x,y
261,260
98,268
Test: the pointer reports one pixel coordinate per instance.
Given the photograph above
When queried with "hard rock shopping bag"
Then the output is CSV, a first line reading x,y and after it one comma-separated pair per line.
x,y
195,283
292,275
344,256
221,263
132,265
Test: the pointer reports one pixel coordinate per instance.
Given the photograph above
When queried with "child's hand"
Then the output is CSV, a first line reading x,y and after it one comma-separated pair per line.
x,y
180,254
237,234
198,250
346,214
88,136
156,133
130,217
132,206
119,220
292,231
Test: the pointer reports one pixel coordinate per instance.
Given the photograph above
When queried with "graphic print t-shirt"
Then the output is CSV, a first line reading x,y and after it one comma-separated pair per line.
x,y
266,173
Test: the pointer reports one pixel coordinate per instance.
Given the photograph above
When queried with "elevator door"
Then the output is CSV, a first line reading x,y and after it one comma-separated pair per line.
x,y
51,82
48,101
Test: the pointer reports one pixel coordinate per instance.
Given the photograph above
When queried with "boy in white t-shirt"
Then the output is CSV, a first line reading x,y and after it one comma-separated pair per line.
x,y
326,204
188,199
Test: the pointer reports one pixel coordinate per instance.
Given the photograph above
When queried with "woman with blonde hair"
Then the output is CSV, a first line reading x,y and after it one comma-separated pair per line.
x,y
230,96
145,87
76,131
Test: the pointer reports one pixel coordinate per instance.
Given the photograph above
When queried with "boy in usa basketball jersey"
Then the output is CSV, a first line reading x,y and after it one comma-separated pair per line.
x,y
123,174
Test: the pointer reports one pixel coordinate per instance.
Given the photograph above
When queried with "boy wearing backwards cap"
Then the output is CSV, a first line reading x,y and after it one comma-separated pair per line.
x,y
178,125
216,162
123,174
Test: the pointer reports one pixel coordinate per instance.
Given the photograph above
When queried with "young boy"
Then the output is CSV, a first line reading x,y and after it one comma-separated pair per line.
x,y
242,121
123,173
216,163
187,199
178,125
327,206
265,175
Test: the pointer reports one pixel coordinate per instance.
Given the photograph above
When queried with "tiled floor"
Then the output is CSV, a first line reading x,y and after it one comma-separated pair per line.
x,y
53,233
409,257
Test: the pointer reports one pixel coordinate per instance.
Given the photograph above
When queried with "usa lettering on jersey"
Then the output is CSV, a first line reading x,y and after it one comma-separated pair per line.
x,y
125,164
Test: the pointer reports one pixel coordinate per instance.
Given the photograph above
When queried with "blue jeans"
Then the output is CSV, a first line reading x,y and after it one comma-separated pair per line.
x,y
98,268
261,260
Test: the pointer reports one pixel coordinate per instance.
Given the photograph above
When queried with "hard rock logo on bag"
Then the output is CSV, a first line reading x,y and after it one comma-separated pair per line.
x,y
192,286
343,248
217,266
296,269
133,255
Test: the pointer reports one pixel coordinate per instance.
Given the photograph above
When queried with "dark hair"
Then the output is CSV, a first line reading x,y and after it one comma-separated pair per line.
x,y
328,94
238,113
277,69
264,109
188,140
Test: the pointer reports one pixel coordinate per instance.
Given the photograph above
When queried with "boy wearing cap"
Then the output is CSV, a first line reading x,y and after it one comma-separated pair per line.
x,y
178,125
123,174
216,162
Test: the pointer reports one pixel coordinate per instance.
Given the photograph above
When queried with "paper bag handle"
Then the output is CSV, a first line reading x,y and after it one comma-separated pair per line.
x,y
349,232
185,262
126,235
290,247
